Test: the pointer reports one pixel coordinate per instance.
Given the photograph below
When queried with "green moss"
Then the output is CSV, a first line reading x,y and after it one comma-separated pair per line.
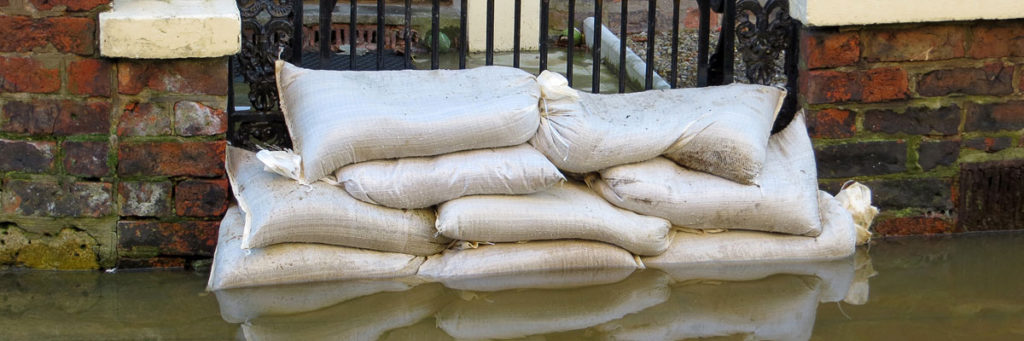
x,y
971,156
69,250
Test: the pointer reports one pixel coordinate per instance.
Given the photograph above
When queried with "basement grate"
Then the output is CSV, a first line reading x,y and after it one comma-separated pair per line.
x,y
991,196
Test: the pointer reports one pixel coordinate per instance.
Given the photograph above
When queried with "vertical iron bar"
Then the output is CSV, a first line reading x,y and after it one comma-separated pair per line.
x,y
789,104
623,23
728,40
652,19
489,49
675,44
326,7
596,80
231,87
353,35
516,27
435,32
543,40
703,41
380,34
572,41
296,42
407,34
463,33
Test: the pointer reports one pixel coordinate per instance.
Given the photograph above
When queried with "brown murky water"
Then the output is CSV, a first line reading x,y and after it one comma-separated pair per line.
x,y
963,288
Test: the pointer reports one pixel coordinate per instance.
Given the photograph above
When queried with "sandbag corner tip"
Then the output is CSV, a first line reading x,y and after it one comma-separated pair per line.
x,y
554,86
855,197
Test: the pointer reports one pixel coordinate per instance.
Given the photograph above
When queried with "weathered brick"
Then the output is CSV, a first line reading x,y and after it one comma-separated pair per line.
x,y
27,75
861,158
996,39
27,156
989,144
151,263
201,198
57,199
64,117
995,116
926,42
144,119
71,5
144,199
927,193
197,119
690,20
831,123
88,158
66,34
207,76
935,154
908,226
203,159
189,238
884,84
829,86
915,120
829,48
89,77
992,79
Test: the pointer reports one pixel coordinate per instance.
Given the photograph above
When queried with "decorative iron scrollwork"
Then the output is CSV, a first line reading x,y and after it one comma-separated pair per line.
x,y
762,33
267,33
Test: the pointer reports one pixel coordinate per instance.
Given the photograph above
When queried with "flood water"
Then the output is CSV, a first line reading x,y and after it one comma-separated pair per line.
x,y
963,288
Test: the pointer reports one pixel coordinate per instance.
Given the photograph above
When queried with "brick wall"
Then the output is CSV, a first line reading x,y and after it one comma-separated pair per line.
x,y
902,107
104,162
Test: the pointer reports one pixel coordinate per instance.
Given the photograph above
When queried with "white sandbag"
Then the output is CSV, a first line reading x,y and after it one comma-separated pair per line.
x,y
721,130
786,200
552,279
565,211
243,304
520,258
427,181
837,240
336,118
290,263
519,313
279,210
856,198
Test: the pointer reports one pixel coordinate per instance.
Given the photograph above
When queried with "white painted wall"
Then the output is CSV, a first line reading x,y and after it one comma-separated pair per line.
x,y
504,21
869,12
159,29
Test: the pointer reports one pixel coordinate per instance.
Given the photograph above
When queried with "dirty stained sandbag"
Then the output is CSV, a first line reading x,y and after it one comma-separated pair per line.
x,y
720,130
279,210
336,118
243,304
786,201
565,211
427,181
234,267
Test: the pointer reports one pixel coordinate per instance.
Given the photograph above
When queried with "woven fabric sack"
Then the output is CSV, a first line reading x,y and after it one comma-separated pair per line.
x,y
786,201
278,210
720,130
336,118
427,181
290,263
566,211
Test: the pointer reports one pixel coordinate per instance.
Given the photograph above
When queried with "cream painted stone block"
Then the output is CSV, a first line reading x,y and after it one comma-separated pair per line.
x,y
504,24
159,29
869,12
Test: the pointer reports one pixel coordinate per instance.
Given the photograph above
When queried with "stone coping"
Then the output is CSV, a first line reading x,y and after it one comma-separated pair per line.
x,y
163,29
870,12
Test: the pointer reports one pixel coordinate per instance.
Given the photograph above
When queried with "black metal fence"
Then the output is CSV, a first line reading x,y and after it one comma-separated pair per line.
x,y
272,29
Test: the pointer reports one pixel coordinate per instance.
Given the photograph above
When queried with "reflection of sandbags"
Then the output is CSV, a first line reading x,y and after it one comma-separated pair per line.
x,y
336,118
234,267
859,289
365,318
565,211
836,241
517,313
243,304
721,130
508,259
279,210
775,308
428,181
786,200
526,279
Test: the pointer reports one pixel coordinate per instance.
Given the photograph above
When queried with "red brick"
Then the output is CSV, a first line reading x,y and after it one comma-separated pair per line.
x,y
209,77
89,77
27,75
151,263
56,117
144,119
692,19
27,156
994,40
933,194
5,3
71,5
829,86
861,158
992,79
57,199
189,238
926,42
202,159
938,153
87,158
905,226
989,144
66,34
197,119
145,199
914,120
884,84
201,198
995,116
823,49
831,123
